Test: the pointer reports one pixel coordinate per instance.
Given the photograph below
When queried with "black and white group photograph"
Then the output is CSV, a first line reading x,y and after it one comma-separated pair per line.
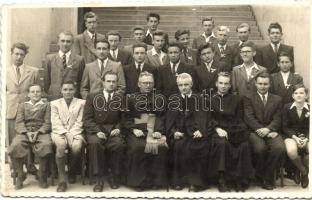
x,y
143,100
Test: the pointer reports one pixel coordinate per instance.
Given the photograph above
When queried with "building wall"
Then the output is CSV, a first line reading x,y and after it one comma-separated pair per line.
x,y
295,21
38,27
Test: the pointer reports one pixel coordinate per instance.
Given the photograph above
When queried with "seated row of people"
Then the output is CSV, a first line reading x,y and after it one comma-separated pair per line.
x,y
152,137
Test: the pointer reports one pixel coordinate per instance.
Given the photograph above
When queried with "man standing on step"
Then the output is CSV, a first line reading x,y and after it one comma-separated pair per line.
x,y
269,53
152,24
66,119
19,77
183,38
94,72
208,35
115,53
62,66
156,57
84,44
138,36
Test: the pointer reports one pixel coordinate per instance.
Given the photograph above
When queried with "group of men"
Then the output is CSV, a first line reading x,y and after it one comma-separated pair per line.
x,y
139,110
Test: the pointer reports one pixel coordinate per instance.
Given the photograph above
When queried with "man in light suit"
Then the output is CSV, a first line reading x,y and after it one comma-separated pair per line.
x,y
62,66
115,53
156,57
67,132
93,73
152,24
138,36
269,53
188,55
133,70
243,76
223,51
208,35
19,77
262,114
84,44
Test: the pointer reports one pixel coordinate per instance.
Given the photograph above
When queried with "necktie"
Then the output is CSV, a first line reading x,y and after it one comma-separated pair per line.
x,y
139,69
208,67
93,39
185,55
222,49
109,97
173,69
114,56
64,61
264,99
18,73
102,67
275,48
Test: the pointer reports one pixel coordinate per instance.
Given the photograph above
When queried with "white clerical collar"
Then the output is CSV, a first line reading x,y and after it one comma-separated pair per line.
x,y
305,105
38,103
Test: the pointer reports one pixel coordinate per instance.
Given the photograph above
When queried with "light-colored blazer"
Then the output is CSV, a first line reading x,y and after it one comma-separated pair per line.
x,y
66,119
17,92
154,60
84,46
91,78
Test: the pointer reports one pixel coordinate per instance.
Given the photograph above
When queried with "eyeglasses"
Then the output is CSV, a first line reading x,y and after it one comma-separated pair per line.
x,y
245,52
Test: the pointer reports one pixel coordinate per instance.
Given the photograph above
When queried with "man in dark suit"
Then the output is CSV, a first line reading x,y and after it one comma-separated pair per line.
x,y
268,53
138,36
115,53
223,51
93,73
166,77
207,70
208,35
62,66
283,82
106,146
183,38
262,114
84,44
243,31
133,70
152,24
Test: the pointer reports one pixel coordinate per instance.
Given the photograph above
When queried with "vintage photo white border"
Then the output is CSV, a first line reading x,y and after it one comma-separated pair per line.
x,y
117,194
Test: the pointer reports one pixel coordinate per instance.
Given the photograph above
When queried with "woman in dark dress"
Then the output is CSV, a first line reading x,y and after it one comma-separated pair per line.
x,y
227,114
296,130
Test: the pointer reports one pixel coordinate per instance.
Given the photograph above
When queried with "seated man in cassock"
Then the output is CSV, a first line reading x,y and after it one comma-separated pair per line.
x,y
146,140
227,112
67,133
101,121
33,127
262,114
188,143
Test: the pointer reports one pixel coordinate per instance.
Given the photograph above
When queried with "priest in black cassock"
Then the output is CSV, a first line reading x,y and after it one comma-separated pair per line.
x,y
188,143
147,146
227,111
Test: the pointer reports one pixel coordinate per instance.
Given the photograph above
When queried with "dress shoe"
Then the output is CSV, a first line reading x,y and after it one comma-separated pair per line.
x,y
222,187
62,187
139,189
43,183
178,187
304,181
98,187
267,186
113,184
72,179
197,188
31,169
19,183
297,177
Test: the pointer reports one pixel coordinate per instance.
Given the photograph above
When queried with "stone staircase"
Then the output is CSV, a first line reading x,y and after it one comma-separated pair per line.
x,y
173,18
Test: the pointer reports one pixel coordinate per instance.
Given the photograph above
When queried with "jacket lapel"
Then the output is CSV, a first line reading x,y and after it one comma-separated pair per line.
x,y
12,75
243,73
25,74
96,68
281,81
88,42
65,111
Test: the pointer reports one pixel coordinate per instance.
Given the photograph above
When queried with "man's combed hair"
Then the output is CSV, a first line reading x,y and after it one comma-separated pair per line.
x,y
183,76
89,15
20,45
141,44
174,44
102,41
115,33
110,72
263,74
68,82
207,19
297,86
35,84
284,54
242,25
145,73
224,74
153,15
178,33
275,25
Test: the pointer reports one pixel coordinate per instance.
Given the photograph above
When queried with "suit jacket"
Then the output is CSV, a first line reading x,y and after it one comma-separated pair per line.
x,y
278,87
85,47
98,115
292,124
66,119
91,79
132,76
225,60
240,83
123,56
148,40
16,92
166,82
207,80
129,48
268,58
154,60
256,115
55,74
189,57
200,40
